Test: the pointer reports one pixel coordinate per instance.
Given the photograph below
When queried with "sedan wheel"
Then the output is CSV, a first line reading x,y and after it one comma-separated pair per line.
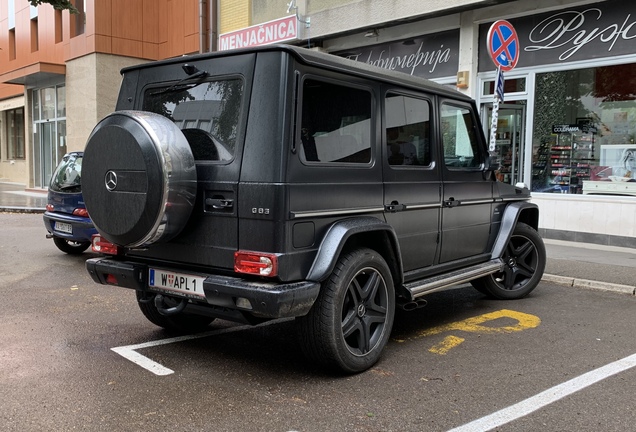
x,y
69,246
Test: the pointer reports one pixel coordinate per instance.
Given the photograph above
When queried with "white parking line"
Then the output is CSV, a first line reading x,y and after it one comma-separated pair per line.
x,y
130,351
547,397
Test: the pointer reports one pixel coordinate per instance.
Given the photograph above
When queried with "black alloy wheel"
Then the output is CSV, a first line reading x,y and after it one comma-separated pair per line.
x,y
352,318
524,261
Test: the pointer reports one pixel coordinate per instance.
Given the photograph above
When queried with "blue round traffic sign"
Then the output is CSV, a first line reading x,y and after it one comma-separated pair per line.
x,y
503,45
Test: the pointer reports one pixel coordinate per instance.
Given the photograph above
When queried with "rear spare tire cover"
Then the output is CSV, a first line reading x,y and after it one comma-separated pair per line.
x,y
138,178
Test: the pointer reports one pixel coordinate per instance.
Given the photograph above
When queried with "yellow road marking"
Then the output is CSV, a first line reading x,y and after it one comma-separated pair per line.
x,y
476,325
446,345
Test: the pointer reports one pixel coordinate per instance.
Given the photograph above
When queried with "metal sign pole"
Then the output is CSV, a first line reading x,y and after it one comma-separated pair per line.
x,y
495,111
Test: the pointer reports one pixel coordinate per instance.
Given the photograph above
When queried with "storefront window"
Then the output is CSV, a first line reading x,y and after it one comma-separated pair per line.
x,y
585,131
48,103
514,85
15,133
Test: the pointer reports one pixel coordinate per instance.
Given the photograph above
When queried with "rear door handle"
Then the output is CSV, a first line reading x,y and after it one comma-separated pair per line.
x,y
451,202
394,207
219,203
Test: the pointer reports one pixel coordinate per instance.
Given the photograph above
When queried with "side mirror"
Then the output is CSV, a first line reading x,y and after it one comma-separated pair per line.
x,y
491,164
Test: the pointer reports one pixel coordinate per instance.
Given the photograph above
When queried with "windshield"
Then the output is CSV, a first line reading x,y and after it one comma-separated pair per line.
x,y
67,175
207,114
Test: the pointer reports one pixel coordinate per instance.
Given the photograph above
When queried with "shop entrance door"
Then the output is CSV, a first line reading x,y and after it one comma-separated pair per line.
x,y
50,148
510,139
49,132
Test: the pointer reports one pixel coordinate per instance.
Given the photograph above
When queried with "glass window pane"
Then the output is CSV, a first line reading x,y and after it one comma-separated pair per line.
x,y
408,130
61,101
515,85
48,103
36,104
584,132
458,137
67,175
335,124
15,133
215,106
61,139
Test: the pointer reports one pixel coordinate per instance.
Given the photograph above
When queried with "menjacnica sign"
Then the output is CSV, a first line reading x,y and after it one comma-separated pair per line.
x,y
580,33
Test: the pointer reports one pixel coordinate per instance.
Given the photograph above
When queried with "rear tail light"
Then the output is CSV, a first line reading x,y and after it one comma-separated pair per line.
x,y
100,245
50,207
256,263
80,212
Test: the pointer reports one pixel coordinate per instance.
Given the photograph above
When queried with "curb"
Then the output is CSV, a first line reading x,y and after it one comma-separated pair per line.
x,y
8,209
584,283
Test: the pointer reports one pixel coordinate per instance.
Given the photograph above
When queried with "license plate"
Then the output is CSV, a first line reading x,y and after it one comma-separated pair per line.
x,y
63,227
184,284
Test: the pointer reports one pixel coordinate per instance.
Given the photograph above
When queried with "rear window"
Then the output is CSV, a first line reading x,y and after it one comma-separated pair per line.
x,y
207,113
67,175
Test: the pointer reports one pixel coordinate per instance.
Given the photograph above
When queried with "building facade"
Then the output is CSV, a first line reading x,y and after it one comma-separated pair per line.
x,y
59,73
566,127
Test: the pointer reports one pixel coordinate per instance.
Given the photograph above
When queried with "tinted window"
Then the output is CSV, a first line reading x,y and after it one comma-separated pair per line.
x,y
335,123
407,130
458,136
207,113
67,175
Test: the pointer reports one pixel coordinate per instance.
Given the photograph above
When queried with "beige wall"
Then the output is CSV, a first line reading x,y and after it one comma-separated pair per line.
x,y
330,17
235,15
92,86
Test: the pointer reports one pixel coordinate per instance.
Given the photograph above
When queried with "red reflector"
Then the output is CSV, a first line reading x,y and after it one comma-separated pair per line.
x,y
101,245
111,279
256,263
80,212
49,207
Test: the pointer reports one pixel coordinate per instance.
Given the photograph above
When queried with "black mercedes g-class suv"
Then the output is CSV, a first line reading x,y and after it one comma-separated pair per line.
x,y
278,181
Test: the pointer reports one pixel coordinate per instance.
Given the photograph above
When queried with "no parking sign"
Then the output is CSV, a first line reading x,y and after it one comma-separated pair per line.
x,y
503,47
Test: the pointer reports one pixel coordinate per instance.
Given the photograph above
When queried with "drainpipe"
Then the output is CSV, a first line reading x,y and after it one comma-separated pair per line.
x,y
203,26
213,24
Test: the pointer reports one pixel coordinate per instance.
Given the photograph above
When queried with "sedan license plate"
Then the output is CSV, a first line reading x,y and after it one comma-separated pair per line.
x,y
63,227
184,284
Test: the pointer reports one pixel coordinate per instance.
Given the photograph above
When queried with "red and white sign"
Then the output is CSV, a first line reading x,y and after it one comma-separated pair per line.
x,y
279,30
503,45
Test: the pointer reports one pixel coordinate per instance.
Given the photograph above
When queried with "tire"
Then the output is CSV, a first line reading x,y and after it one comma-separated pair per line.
x,y
139,178
179,323
524,262
69,246
350,322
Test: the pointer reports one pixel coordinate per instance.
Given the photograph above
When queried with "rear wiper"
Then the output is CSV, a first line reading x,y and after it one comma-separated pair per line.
x,y
183,83
68,186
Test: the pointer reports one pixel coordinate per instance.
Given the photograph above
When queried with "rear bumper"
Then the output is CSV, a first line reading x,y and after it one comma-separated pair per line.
x,y
83,227
267,299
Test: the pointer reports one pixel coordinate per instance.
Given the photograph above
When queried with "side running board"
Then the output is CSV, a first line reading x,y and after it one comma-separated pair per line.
x,y
437,283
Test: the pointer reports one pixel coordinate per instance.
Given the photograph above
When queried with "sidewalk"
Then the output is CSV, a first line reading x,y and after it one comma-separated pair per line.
x,y
14,197
574,264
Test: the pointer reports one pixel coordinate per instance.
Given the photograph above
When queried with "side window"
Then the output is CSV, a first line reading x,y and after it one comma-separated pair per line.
x,y
407,130
458,137
335,123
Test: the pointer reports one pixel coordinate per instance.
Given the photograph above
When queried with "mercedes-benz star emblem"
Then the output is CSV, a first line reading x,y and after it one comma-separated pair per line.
x,y
111,180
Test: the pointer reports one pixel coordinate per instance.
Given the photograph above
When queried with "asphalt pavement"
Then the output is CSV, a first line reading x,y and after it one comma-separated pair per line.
x,y
583,265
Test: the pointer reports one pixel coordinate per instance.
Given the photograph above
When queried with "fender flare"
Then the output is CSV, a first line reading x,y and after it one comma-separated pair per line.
x,y
336,237
511,216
